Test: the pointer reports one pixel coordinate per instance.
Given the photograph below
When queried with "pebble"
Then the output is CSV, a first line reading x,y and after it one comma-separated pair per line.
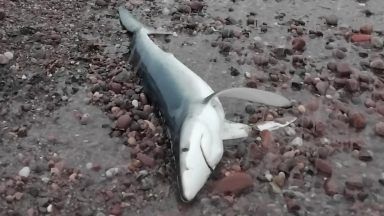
x,y
322,87
301,108
9,55
290,131
298,141
377,42
365,156
352,85
298,44
343,69
3,59
331,20
366,29
354,183
292,205
377,64
112,172
323,166
356,38
339,54
357,120
279,180
379,129
146,160
131,141
135,103
49,208
234,183
24,172
123,122
101,3
331,188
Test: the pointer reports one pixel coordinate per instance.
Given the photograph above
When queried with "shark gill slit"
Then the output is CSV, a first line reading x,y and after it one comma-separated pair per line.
x,y
205,159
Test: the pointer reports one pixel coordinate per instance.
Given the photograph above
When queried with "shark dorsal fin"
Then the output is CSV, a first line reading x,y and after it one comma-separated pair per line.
x,y
254,95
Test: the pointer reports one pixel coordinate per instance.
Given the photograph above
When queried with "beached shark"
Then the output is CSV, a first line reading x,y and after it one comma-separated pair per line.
x,y
192,111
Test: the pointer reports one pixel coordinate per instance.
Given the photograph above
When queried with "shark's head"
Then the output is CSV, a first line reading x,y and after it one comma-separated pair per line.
x,y
201,148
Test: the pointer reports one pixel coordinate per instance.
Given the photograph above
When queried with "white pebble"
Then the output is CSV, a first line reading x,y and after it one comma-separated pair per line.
x,y
49,208
290,131
9,55
301,108
24,172
298,141
89,165
135,103
111,172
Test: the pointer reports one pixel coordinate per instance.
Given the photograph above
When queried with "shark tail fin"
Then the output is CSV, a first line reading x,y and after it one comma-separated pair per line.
x,y
133,25
128,21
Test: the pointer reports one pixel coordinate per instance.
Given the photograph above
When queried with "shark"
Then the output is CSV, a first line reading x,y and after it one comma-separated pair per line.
x,y
193,114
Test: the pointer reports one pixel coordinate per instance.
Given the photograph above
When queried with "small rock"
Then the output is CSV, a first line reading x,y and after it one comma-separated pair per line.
x,y
337,53
123,122
116,210
234,183
122,77
298,141
301,108
331,188
135,103
290,131
115,87
145,159
9,55
322,87
331,20
323,166
49,208
377,42
343,69
112,172
3,59
298,44
18,195
196,6
358,38
279,180
234,71
352,85
101,3
365,156
292,205
354,183
261,60
24,172
379,128
377,64
357,120
366,29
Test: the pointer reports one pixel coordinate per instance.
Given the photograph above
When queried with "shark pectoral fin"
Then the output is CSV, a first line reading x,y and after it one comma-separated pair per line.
x,y
276,124
233,130
254,95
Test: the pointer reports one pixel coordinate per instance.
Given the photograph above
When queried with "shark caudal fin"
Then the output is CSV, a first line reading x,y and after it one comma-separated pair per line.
x,y
254,95
129,21
133,25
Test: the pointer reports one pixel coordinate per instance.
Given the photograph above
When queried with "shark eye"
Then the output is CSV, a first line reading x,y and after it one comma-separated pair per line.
x,y
184,149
